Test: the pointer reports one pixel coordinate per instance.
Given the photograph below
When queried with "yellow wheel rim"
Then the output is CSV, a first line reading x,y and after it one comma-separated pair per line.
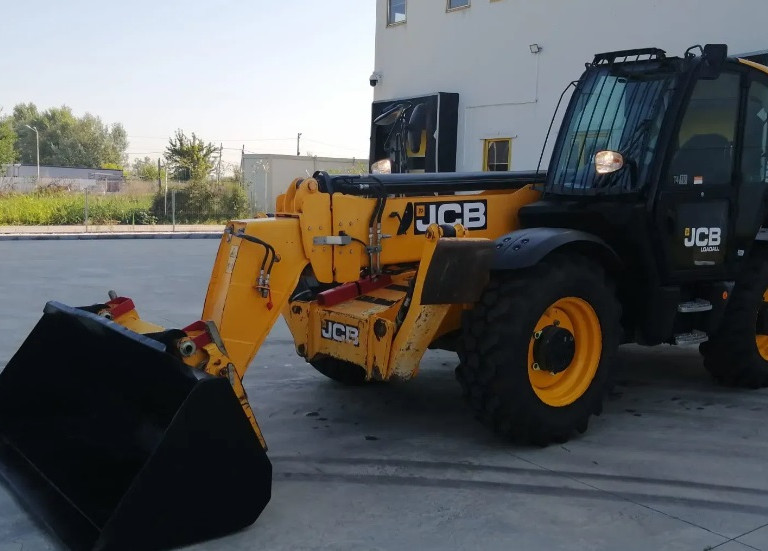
x,y
577,316
762,340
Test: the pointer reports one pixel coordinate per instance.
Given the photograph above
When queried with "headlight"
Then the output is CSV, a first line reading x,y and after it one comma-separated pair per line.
x,y
607,162
383,166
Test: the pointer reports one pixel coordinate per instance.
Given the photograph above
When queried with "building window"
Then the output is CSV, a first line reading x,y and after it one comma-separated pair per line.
x,y
395,12
497,154
457,4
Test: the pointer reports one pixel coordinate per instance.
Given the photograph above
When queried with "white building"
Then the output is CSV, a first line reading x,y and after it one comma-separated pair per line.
x,y
510,60
266,176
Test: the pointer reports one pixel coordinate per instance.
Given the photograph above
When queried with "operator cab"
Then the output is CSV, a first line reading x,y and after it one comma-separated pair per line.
x,y
664,158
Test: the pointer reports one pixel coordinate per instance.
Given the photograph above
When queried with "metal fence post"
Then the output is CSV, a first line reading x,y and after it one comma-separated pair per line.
x,y
85,218
173,208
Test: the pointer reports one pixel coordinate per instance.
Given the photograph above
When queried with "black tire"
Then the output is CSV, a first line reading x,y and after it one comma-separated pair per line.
x,y
340,371
732,355
494,368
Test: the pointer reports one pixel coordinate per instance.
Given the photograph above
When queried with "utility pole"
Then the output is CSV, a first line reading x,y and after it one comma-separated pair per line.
x,y
37,139
218,167
159,175
165,195
242,167
298,145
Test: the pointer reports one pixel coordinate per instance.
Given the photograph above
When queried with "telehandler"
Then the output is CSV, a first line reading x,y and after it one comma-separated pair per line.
x,y
646,228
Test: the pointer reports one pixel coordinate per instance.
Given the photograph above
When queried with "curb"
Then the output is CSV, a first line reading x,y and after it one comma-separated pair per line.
x,y
111,235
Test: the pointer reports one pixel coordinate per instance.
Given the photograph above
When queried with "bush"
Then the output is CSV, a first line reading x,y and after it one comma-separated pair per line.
x,y
50,207
197,203
202,202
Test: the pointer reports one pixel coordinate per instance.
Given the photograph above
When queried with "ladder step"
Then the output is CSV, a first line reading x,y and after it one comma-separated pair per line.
x,y
698,305
694,337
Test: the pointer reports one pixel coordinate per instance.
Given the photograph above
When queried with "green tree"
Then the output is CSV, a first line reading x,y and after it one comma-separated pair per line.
x,y
146,169
7,141
190,159
67,140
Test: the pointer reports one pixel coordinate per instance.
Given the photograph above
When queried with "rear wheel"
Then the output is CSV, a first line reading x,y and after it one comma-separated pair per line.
x,y
539,347
340,371
737,355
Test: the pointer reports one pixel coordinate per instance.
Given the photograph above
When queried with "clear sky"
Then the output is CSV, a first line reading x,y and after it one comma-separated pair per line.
x,y
245,72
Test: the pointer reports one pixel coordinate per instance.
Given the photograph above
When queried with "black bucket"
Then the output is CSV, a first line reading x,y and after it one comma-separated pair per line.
x,y
116,444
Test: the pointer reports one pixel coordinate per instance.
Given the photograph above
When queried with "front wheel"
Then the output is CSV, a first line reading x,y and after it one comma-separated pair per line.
x,y
539,347
737,354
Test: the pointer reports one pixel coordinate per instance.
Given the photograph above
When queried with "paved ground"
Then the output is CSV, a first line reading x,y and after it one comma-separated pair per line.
x,y
674,463
117,228
89,233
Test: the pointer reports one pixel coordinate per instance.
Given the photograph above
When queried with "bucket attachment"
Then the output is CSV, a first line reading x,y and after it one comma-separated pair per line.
x,y
117,445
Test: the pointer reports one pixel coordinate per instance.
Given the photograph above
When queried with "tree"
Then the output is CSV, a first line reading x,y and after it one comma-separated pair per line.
x,y
67,140
190,159
146,169
7,141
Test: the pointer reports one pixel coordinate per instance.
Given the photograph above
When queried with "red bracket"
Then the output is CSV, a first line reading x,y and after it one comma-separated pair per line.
x,y
348,291
201,340
119,306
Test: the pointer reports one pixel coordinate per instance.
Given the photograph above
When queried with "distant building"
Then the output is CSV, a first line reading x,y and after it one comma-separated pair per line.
x,y
24,177
266,176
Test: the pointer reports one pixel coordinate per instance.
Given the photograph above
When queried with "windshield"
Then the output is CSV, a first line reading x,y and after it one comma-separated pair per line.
x,y
616,112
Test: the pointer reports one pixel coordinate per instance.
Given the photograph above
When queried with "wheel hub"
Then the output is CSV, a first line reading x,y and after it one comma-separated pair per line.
x,y
554,349
564,351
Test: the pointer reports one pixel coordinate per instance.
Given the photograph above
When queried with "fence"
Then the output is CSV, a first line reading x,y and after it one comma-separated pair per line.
x,y
199,203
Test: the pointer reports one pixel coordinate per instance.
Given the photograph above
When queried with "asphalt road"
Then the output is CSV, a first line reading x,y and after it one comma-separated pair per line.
x,y
674,463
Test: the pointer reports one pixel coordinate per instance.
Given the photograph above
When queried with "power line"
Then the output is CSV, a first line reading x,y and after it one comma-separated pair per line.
x,y
218,140
332,145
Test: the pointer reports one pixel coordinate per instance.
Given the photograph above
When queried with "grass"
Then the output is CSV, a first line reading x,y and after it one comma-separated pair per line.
x,y
53,209
195,203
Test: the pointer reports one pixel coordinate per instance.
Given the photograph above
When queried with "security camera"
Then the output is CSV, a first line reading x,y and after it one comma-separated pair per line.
x,y
375,78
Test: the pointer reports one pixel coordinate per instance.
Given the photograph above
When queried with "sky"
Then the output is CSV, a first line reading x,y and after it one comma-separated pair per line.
x,y
237,72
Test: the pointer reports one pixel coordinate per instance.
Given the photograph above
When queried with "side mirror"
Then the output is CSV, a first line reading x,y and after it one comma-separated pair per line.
x,y
391,115
713,57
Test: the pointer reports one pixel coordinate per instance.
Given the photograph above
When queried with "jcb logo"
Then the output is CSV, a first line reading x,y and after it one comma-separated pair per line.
x,y
707,238
334,331
470,214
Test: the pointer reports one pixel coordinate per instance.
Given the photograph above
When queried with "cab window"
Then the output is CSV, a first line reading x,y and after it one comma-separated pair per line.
x,y
704,154
755,153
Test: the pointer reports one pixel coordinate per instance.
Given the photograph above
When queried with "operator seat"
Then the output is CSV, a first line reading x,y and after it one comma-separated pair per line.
x,y
704,155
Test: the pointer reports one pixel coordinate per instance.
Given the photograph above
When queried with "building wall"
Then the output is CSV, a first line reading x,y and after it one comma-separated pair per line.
x,y
267,176
506,91
23,178
62,172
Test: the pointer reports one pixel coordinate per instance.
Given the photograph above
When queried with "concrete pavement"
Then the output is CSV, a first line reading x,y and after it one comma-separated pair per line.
x,y
42,233
674,463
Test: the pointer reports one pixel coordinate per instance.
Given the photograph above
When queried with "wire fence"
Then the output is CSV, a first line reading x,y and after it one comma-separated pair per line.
x,y
176,204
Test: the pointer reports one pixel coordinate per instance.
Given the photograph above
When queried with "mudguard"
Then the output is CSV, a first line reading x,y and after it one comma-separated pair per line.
x,y
525,248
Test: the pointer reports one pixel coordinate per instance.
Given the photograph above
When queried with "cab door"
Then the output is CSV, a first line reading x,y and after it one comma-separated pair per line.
x,y
697,194
752,186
